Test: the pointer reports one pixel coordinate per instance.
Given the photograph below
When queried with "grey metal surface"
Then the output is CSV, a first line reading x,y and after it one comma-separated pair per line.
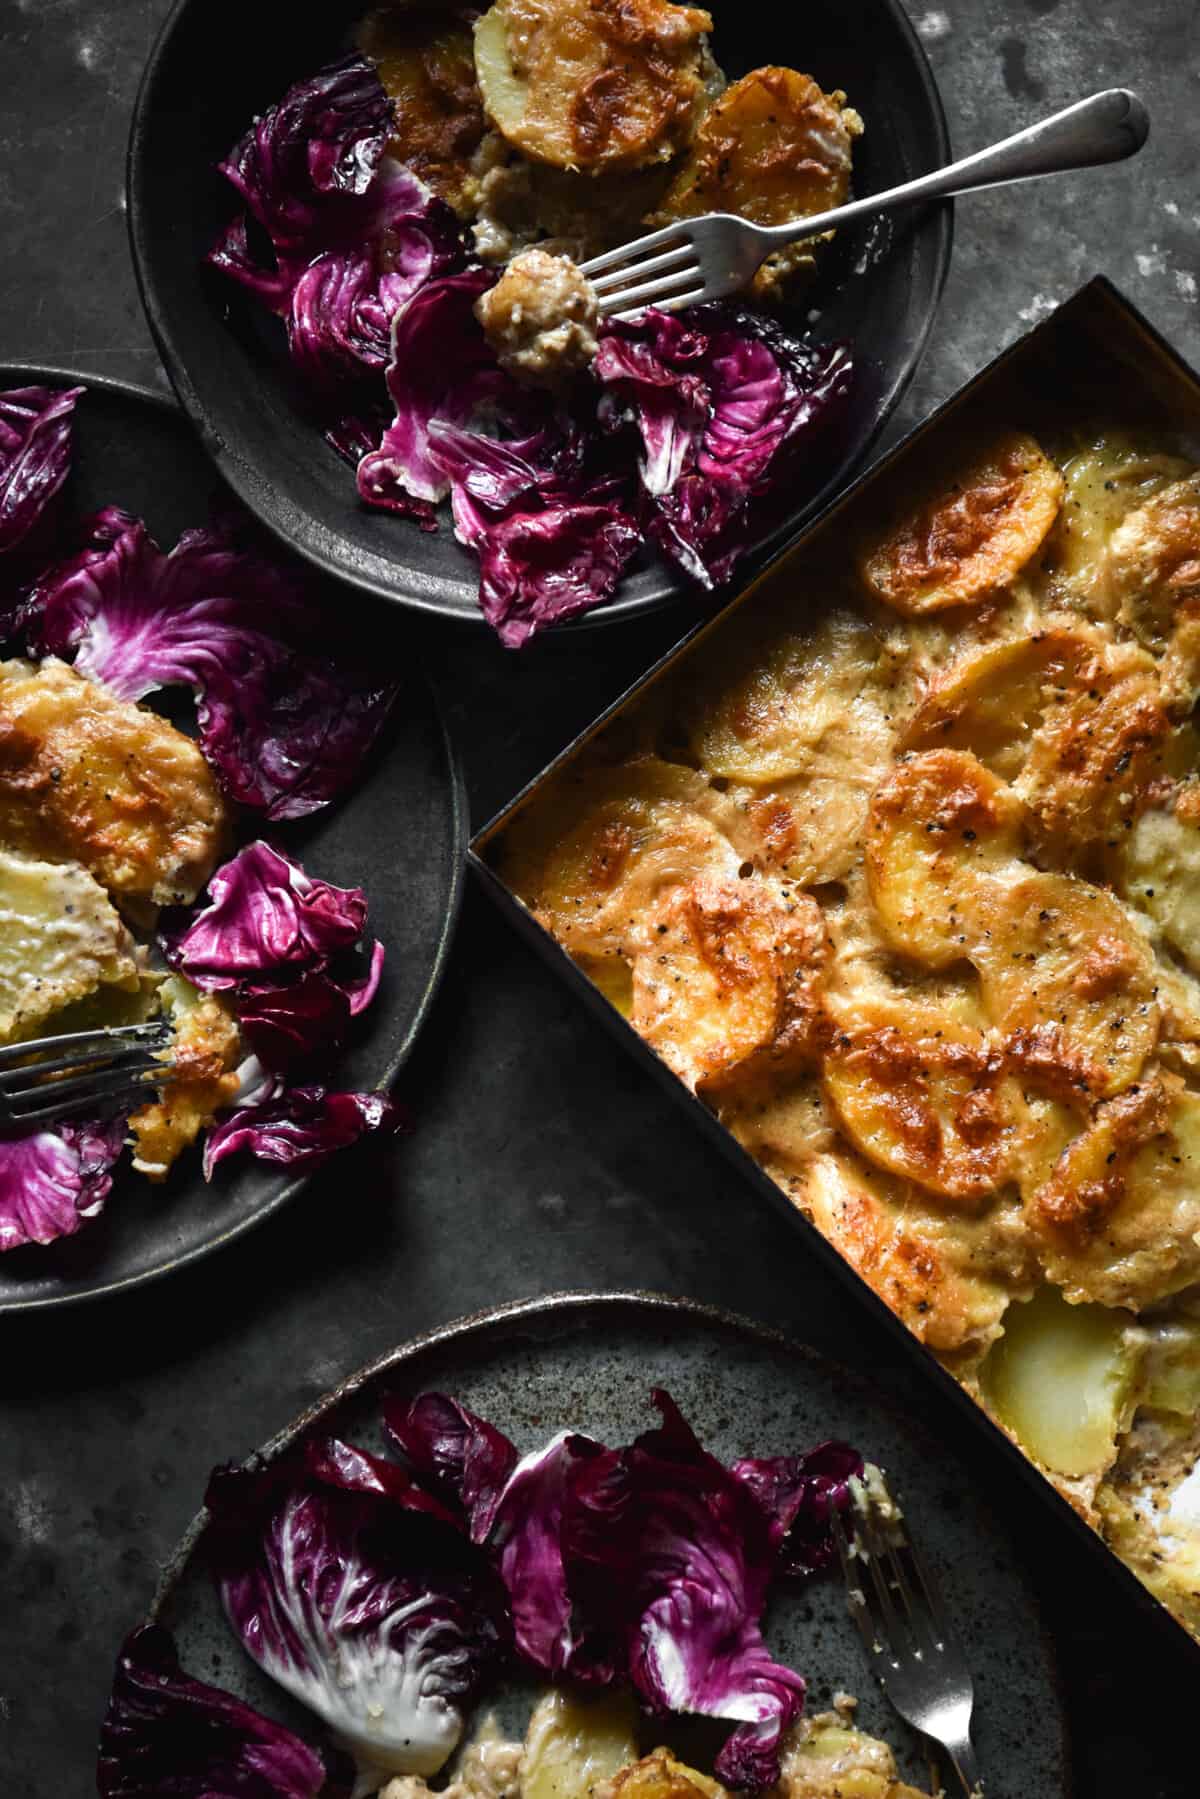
x,y
588,1364
541,1158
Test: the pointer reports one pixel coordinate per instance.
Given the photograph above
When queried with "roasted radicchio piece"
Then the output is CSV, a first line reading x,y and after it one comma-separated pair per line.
x,y
54,1180
165,1733
377,1615
376,283
35,455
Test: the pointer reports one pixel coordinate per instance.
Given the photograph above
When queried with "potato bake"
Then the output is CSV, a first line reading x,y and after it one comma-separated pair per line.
x,y
899,871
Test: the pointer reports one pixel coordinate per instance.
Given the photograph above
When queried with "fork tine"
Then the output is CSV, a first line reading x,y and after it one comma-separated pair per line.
x,y
633,299
85,1042
856,1598
641,246
62,1097
31,1078
608,284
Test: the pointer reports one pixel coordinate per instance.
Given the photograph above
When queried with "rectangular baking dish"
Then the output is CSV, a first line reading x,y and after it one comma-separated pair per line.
x,y
1094,340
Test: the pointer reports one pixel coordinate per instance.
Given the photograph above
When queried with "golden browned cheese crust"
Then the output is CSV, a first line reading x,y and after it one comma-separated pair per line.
x,y
88,778
205,1051
904,880
973,536
774,147
593,84
425,58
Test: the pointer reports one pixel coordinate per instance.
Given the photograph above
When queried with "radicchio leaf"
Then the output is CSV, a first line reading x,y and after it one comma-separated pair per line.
x,y
302,1128
463,1457
800,1495
35,455
52,1181
718,397
287,949
369,1613
284,727
165,1733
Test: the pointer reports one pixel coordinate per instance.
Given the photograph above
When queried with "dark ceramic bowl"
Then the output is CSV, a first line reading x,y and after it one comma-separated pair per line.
x,y
219,62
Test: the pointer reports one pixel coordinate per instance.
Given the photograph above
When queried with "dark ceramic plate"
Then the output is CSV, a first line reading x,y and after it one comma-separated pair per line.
x,y
399,834
219,62
587,1362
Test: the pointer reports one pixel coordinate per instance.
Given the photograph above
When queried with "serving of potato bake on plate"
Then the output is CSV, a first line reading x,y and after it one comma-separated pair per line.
x,y
897,873
386,210
151,862
496,1558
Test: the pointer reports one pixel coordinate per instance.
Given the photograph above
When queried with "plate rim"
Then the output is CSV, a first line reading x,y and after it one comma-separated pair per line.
x,y
642,1304
45,373
245,483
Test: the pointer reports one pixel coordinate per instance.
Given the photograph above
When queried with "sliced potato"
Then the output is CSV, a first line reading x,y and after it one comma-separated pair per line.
x,y
1105,480
939,825
1153,563
574,1741
798,694
728,986
661,1776
1126,1232
936,1110
1061,1379
991,700
948,1277
425,59
971,538
593,84
1160,873
1070,983
60,939
639,833
772,148
782,1121
827,1758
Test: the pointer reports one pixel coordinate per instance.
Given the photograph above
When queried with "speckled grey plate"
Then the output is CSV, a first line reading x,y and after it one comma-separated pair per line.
x,y
400,834
588,1361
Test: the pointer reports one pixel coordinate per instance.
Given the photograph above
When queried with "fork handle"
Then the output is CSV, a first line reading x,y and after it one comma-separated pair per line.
x,y
961,1751
1105,128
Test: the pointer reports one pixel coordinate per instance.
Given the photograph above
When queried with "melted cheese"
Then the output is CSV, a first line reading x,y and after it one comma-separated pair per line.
x,y
60,940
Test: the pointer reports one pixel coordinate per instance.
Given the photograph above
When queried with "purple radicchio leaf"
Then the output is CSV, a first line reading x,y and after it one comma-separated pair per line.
x,y
288,950
301,1128
378,1618
548,548
165,1733
800,1495
689,1549
284,728
726,401
459,1456
52,1181
441,367
35,455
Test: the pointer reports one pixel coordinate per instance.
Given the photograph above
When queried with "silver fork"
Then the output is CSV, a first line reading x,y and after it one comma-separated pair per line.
x,y
902,1619
51,1078
706,258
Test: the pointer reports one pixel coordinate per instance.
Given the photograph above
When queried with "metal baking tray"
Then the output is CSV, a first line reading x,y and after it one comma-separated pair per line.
x,y
1095,342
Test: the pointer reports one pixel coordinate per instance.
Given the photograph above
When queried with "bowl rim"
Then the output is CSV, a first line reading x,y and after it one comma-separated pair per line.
x,y
46,373
255,492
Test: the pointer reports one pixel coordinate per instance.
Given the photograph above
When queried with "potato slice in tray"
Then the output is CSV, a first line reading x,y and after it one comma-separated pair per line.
x,y
949,1277
1118,1221
425,59
593,84
1160,869
1062,1380
971,537
641,829
1104,480
940,824
1070,983
728,987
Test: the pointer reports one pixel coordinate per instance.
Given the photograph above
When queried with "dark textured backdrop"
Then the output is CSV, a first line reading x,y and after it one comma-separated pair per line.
x,y
541,1159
